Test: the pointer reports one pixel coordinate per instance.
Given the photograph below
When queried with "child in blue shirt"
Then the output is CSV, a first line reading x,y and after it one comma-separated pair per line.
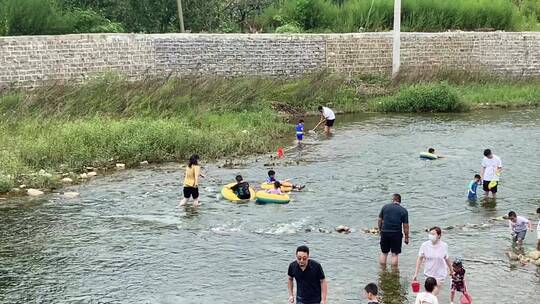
x,y
473,185
300,130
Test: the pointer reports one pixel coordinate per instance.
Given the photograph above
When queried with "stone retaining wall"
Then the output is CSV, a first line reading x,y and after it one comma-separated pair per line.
x,y
30,61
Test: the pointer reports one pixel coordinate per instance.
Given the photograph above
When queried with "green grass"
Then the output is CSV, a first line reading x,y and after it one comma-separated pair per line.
x,y
63,129
417,15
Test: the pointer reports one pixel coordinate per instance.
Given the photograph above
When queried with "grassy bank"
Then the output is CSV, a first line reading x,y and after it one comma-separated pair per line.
x,y
58,131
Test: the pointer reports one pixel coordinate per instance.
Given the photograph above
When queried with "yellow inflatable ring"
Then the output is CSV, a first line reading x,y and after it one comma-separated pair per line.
x,y
228,194
264,197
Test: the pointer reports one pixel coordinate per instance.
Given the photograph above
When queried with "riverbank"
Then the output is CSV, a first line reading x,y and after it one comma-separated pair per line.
x,y
60,132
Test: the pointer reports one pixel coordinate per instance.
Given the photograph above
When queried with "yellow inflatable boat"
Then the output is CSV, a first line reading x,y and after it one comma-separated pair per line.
x,y
285,186
263,197
427,155
228,194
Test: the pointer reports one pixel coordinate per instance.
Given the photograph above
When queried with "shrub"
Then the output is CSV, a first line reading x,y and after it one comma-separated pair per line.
x,y
421,98
6,183
289,28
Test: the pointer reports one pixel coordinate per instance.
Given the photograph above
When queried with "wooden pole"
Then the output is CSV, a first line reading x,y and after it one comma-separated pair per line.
x,y
180,15
396,43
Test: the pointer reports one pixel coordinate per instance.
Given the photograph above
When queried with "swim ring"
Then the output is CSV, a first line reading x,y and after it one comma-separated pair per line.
x,y
228,194
427,155
285,186
263,197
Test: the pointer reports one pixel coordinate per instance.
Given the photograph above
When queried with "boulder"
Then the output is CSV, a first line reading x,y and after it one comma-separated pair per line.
x,y
91,174
120,166
71,194
535,255
143,163
343,229
67,180
22,187
34,192
83,176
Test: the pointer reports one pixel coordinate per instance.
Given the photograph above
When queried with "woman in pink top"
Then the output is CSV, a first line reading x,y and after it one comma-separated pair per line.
x,y
277,188
434,255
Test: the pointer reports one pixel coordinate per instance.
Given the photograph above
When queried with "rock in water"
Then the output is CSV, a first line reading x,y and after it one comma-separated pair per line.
x,y
91,174
83,176
535,255
343,229
67,180
71,194
34,192
143,163
120,166
512,256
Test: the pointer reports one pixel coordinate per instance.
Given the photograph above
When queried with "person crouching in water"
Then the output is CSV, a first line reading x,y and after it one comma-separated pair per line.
x,y
241,189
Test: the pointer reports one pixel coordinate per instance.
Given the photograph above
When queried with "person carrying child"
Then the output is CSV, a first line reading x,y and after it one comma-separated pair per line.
x,y
300,131
241,189
473,186
458,279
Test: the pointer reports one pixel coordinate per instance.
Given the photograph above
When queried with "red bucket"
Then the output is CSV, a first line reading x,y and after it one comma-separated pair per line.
x,y
415,287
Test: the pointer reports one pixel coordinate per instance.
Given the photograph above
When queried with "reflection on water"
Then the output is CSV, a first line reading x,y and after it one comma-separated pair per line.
x,y
126,240
392,290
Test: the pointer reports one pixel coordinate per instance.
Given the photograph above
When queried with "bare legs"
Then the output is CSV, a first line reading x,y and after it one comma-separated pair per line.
x,y
384,256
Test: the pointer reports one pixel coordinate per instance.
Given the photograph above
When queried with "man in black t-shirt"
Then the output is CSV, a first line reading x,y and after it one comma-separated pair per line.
x,y
311,285
391,219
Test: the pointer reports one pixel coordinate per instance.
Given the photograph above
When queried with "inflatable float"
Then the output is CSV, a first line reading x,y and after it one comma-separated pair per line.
x,y
263,197
285,186
228,194
427,155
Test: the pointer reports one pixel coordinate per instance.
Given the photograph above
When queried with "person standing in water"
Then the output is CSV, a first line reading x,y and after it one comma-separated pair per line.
x,y
434,255
300,131
310,280
328,116
490,171
191,181
391,220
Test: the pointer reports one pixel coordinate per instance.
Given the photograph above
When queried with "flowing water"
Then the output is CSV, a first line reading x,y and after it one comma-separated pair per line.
x,y
126,240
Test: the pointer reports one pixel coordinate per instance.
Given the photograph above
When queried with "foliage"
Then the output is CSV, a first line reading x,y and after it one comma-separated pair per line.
x,y
377,15
422,98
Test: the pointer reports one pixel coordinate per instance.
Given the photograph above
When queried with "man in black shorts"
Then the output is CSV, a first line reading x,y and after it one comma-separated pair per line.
x,y
311,285
391,219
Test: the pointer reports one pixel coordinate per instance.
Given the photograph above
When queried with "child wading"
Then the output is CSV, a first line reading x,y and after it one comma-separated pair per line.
x,y
300,131
458,279
370,293
473,186
428,297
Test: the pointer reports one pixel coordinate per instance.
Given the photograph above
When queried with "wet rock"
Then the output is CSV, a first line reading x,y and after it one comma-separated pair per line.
x,y
371,231
144,163
15,190
34,192
71,194
536,262
535,255
67,180
22,187
512,256
343,229
524,259
83,176
120,166
91,174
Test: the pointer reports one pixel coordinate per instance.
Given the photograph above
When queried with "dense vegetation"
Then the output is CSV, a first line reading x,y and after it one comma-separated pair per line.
x,y
63,129
31,17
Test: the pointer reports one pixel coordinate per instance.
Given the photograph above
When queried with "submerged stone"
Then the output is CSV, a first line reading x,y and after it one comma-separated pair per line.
x,y
71,194
34,192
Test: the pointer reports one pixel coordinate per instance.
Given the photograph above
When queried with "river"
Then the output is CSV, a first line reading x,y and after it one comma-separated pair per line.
x,y
126,240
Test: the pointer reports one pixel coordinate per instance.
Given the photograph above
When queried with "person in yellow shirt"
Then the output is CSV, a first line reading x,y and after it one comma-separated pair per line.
x,y
191,181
